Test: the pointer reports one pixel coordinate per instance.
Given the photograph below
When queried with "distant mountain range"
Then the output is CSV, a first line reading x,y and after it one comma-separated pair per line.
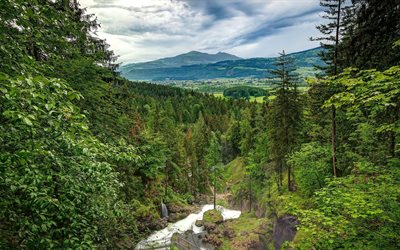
x,y
190,58
197,66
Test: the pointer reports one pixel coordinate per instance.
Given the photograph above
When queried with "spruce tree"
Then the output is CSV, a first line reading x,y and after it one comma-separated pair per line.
x,y
214,160
368,42
331,34
285,116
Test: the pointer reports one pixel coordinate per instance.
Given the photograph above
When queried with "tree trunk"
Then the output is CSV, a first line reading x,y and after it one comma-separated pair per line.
x,y
335,62
250,192
215,194
289,179
334,141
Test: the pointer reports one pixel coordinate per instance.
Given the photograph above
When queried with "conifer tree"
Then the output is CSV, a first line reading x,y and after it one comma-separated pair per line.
x,y
285,116
214,159
246,134
331,32
201,140
368,42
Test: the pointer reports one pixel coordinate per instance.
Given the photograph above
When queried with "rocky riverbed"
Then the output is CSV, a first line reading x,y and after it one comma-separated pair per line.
x,y
163,237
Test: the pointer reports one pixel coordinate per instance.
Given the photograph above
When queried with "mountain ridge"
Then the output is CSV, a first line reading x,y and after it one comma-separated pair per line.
x,y
253,67
190,58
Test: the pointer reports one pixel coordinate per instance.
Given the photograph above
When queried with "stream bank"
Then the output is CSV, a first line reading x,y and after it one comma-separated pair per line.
x,y
163,237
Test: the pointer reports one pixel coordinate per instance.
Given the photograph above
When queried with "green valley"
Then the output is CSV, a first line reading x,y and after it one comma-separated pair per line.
x,y
198,151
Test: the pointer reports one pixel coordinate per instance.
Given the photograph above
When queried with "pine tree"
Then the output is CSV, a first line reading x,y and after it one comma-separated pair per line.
x,y
246,132
201,140
331,32
368,42
285,116
214,160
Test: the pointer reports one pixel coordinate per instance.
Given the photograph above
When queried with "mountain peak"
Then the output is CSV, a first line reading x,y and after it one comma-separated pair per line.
x,y
190,58
194,52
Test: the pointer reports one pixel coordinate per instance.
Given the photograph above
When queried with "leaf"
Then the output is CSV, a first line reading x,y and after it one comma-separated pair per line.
x,y
49,106
27,121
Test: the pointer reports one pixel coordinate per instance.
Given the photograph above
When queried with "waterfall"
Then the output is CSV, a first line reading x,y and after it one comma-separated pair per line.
x,y
164,210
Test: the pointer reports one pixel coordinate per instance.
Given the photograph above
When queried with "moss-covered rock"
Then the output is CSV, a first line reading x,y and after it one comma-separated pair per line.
x,y
242,233
213,216
179,211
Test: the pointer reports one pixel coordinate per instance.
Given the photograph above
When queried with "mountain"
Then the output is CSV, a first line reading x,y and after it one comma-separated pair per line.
x,y
253,67
190,58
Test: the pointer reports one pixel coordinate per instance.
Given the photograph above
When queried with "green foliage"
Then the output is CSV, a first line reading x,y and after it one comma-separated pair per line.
x,y
285,117
88,169
376,94
244,92
330,31
213,216
55,183
367,41
213,156
312,167
62,31
352,212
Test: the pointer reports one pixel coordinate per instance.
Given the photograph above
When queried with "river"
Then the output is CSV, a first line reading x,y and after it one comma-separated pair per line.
x,y
163,237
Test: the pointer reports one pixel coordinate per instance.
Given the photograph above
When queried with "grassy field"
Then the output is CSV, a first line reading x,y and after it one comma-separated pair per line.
x,y
216,87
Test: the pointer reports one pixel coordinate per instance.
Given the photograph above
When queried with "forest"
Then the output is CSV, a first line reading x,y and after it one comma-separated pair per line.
x,y
86,156
244,92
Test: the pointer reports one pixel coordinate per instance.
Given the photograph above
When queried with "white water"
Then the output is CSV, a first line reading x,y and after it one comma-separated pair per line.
x,y
164,236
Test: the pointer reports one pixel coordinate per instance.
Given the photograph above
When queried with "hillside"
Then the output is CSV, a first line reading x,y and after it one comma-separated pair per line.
x,y
190,58
91,160
253,67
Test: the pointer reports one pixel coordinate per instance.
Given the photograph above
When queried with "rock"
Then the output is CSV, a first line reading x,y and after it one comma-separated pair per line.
x,y
152,223
178,212
213,240
199,223
213,216
174,208
229,233
190,240
161,223
284,230
209,226
174,217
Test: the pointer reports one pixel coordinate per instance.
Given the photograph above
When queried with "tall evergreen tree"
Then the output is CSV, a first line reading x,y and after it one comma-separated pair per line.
x,y
214,160
368,42
285,116
331,32
201,140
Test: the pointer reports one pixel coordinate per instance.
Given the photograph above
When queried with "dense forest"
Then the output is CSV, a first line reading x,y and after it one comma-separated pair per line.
x,y
86,156
244,92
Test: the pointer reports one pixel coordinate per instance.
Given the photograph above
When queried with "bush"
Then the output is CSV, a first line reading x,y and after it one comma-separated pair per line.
x,y
55,189
359,211
312,167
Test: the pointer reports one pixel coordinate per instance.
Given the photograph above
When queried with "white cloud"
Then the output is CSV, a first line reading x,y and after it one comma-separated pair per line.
x,y
141,30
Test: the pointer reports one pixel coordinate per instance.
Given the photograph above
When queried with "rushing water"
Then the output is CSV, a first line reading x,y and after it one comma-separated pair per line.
x,y
164,210
163,237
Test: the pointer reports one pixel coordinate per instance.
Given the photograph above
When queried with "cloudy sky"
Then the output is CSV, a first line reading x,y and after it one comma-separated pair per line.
x,y
143,30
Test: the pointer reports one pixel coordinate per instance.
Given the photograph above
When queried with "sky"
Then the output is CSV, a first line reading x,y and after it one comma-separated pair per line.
x,y
145,30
